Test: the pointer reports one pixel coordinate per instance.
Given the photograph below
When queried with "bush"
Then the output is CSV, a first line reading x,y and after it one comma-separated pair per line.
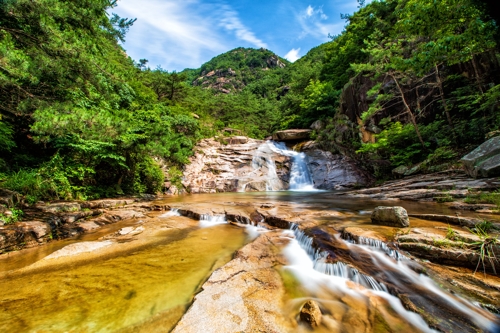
x,y
149,177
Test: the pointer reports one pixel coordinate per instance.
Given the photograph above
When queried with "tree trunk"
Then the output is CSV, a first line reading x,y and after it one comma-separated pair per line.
x,y
445,105
408,109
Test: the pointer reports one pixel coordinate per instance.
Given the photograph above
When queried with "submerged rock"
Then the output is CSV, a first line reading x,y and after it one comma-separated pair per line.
x,y
311,314
484,161
78,248
391,216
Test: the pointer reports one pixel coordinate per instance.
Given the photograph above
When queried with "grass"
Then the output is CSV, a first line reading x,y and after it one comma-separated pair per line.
x,y
484,198
486,248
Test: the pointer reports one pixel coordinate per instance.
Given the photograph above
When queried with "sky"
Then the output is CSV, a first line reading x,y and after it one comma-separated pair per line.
x,y
179,34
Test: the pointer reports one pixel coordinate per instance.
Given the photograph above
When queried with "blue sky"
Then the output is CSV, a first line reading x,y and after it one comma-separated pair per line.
x,y
178,34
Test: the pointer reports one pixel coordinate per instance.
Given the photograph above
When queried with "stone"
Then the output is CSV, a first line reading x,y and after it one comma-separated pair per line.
x,y
245,295
391,216
38,229
292,135
236,140
484,161
317,125
330,171
311,314
9,198
77,248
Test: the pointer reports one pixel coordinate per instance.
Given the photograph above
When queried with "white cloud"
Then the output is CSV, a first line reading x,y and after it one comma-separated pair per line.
x,y
313,22
292,55
231,22
179,34
309,11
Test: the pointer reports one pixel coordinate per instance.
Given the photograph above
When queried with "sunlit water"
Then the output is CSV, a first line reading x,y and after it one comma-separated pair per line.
x,y
148,289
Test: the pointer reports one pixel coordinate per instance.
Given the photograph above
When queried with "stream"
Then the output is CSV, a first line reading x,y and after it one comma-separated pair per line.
x,y
148,287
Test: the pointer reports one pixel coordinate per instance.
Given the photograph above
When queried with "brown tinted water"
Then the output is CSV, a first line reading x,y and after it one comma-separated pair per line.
x,y
132,291
148,286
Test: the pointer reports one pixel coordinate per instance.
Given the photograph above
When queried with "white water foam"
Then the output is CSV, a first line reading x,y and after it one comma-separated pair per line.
x,y
207,220
171,212
303,268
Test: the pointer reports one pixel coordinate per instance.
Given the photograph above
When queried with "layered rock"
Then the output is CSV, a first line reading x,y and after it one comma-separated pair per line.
x,y
244,164
232,167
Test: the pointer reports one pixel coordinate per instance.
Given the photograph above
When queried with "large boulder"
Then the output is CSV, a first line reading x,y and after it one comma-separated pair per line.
x,y
484,161
391,216
292,135
332,171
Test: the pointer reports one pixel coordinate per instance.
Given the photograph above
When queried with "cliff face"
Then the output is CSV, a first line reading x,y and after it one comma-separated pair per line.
x,y
241,164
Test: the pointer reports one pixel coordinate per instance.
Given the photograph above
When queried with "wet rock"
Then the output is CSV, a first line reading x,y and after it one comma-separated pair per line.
x,y
391,216
292,135
330,171
310,313
245,295
484,161
229,167
77,248
463,221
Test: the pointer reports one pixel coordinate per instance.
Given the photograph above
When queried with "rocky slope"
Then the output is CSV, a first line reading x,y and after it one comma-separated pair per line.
x,y
241,164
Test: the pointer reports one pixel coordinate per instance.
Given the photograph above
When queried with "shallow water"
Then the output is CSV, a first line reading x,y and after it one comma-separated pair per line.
x,y
134,291
148,288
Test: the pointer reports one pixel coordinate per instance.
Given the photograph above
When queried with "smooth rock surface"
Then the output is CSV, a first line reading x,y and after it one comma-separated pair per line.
x,y
391,216
330,171
77,248
484,161
245,295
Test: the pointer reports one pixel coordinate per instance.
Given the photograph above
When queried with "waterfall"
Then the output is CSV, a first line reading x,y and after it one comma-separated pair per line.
x,y
300,177
171,212
207,220
311,267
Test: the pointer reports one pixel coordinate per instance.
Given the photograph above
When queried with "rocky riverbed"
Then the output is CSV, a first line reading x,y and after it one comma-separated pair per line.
x,y
254,288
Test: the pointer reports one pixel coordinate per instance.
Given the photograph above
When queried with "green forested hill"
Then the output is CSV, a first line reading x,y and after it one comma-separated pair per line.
x,y
407,81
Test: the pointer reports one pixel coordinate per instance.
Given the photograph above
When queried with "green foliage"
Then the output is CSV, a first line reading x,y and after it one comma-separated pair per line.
x,y
486,248
15,215
149,177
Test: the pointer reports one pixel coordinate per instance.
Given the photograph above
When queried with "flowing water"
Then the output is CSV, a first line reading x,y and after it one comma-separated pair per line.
x,y
148,288
300,177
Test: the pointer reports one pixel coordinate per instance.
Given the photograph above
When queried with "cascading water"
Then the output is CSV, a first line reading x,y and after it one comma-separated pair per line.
x,y
390,266
172,212
207,220
300,177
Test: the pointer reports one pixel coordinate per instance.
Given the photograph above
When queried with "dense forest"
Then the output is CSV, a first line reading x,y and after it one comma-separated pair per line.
x,y
408,82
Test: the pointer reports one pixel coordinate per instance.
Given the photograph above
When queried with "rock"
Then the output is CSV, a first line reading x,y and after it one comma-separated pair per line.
x,y
484,161
292,135
236,140
37,228
317,125
391,216
330,171
245,295
235,167
60,207
9,198
77,248
403,170
457,220
311,314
